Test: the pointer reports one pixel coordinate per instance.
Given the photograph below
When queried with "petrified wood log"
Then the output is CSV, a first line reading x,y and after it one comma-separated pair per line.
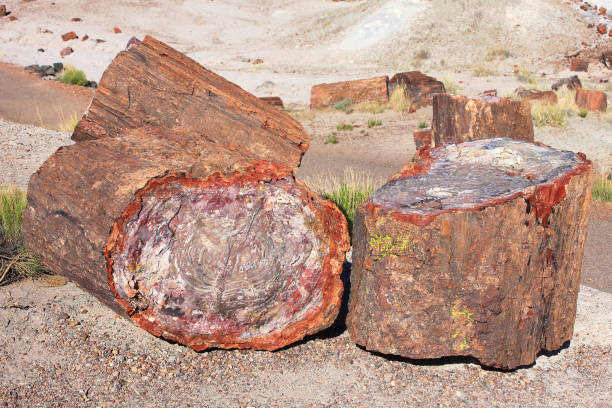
x,y
476,250
153,84
571,83
534,95
200,245
361,90
591,100
417,86
273,100
458,119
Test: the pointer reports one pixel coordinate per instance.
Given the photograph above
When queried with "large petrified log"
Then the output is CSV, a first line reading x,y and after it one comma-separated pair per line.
x,y
361,90
418,87
475,250
458,119
201,245
153,84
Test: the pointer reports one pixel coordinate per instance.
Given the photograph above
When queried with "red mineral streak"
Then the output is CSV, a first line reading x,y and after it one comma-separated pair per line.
x,y
331,225
543,199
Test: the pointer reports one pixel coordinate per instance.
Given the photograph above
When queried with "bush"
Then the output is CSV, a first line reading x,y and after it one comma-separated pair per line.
x,y
481,70
546,114
333,139
343,105
524,75
74,77
344,126
450,86
602,188
16,261
374,122
583,113
423,125
500,52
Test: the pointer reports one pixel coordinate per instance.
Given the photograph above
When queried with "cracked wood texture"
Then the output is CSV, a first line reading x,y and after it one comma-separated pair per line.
x,y
360,90
459,119
418,87
153,84
473,250
196,243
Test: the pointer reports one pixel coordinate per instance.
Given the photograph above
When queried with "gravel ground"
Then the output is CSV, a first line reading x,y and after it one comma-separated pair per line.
x,y
23,148
61,348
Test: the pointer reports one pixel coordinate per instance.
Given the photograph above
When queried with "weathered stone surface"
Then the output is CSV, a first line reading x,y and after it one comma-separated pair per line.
x,y
361,90
458,119
533,95
153,84
2,10
196,243
419,87
473,250
591,100
571,83
69,36
606,57
423,138
273,100
66,51
579,65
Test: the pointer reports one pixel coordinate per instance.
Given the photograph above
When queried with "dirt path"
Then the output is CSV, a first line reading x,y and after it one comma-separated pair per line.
x,y
25,98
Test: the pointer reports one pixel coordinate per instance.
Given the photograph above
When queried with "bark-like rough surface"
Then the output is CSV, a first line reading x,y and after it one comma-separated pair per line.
x,y
571,83
153,84
196,243
417,86
423,138
273,100
459,119
534,95
361,90
591,100
474,250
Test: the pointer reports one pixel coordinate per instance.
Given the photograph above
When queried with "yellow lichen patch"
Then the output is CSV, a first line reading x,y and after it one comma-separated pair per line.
x,y
464,317
386,245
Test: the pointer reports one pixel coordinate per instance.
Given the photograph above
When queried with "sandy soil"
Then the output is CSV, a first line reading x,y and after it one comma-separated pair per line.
x,y
60,347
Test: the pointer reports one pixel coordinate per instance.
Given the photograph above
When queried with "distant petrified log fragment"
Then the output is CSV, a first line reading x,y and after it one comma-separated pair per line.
x,y
361,90
458,119
579,65
476,250
153,84
273,100
591,100
200,245
534,95
606,58
571,83
417,86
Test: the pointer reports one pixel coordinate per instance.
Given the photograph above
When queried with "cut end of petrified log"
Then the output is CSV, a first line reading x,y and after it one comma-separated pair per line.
x,y
477,174
251,260
474,249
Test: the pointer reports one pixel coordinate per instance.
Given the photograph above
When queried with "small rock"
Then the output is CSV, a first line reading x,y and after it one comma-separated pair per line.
x,y
132,42
13,18
100,41
116,30
85,38
258,61
602,29
91,84
50,71
64,316
2,10
66,51
58,66
602,11
578,64
41,50
69,36
76,19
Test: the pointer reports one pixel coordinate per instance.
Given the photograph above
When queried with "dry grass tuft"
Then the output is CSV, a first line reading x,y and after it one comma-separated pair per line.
x,y
373,107
554,115
602,187
347,193
481,70
398,101
451,86
69,124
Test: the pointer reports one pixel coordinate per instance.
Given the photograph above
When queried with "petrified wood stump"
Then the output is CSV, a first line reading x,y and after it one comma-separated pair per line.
x,y
417,86
199,244
153,84
475,250
458,119
361,90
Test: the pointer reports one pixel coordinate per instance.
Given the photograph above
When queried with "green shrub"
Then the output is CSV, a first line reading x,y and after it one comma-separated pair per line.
x,y
348,198
524,75
12,204
602,188
374,122
583,113
342,105
423,125
333,139
344,126
74,77
547,114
